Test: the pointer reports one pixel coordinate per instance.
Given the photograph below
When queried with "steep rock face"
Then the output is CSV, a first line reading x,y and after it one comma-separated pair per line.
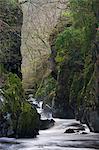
x,y
61,74
77,63
17,117
62,107
11,19
91,116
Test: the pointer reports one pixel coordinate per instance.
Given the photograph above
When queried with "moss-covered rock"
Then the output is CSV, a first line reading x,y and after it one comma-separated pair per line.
x,y
16,112
13,98
28,124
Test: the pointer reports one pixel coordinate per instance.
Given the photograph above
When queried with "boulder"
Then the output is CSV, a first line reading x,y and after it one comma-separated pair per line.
x,y
46,124
93,121
69,131
28,124
83,132
6,128
18,118
75,128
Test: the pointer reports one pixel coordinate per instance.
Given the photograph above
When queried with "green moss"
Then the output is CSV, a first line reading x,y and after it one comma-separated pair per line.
x,y
24,117
74,45
13,97
13,93
28,125
69,40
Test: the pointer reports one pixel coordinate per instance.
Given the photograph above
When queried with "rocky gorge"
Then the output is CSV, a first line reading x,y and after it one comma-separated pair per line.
x,y
70,89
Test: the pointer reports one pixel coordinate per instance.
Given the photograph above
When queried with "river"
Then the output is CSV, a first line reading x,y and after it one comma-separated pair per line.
x,y
54,139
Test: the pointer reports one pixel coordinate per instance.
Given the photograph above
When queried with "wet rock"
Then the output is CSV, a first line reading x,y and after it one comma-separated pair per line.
x,y
93,121
75,124
46,124
83,132
69,131
6,128
75,128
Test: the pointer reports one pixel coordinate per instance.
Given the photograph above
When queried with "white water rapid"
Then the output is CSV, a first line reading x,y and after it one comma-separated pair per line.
x,y
54,139
46,112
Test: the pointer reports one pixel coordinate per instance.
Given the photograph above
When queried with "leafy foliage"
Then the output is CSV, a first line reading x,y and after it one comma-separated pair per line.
x,y
74,45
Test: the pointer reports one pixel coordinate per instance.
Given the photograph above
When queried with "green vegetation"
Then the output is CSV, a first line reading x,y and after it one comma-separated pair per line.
x,y
13,98
28,125
75,65
16,114
73,39
13,94
75,47
24,118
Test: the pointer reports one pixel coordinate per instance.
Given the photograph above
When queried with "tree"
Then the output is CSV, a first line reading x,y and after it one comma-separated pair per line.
x,y
39,19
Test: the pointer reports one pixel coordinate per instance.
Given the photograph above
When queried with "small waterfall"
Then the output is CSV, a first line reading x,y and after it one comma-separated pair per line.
x,y
45,112
40,107
1,98
53,102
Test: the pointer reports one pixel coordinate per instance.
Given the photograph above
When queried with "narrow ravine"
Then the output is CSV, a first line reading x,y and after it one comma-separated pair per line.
x,y
54,139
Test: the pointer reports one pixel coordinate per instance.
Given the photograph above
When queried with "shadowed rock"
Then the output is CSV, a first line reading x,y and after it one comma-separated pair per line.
x,y
46,124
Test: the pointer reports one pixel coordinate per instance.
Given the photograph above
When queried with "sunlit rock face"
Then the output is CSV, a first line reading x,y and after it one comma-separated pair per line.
x,y
39,18
11,19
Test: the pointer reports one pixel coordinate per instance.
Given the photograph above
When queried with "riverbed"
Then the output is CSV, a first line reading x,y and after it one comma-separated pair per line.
x,y
54,139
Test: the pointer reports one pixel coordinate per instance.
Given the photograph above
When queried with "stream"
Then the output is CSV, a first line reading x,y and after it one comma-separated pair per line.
x,y
54,139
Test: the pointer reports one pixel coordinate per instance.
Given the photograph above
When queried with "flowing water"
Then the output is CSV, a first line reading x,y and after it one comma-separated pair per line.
x,y
54,139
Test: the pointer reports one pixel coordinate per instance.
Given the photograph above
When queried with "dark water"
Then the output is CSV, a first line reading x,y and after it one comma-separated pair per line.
x,y
54,139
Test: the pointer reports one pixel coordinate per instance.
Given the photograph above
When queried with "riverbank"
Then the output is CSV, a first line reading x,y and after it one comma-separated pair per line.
x,y
54,139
